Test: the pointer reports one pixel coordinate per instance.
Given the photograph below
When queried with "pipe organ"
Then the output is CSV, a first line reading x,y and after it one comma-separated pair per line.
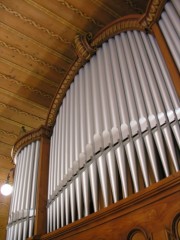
x,y
23,205
116,132
115,121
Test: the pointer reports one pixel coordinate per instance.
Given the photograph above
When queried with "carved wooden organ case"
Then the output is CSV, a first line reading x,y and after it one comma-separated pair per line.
x,y
106,165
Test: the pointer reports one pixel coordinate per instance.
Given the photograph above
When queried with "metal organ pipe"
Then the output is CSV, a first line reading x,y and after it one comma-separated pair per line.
x,y
169,24
119,111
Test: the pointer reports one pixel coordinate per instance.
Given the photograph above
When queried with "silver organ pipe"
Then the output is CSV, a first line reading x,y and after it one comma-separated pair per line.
x,y
22,212
169,24
112,129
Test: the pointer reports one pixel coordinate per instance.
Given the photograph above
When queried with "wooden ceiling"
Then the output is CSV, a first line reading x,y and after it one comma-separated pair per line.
x,y
36,51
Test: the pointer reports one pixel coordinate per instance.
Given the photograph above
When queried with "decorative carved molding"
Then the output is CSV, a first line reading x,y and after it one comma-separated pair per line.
x,y
116,27
31,57
83,48
18,111
80,13
34,135
35,24
152,14
28,87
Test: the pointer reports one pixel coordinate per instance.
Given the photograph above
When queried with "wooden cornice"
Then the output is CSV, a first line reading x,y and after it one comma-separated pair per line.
x,y
85,47
30,137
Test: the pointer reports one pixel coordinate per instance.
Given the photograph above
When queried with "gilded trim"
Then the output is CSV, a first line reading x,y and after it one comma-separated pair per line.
x,y
116,27
83,48
32,136
152,14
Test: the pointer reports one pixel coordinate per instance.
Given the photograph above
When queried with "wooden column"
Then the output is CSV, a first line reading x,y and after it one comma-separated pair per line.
x,y
42,187
167,57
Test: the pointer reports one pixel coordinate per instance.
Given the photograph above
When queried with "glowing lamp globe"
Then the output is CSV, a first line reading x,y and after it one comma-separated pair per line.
x,y
6,189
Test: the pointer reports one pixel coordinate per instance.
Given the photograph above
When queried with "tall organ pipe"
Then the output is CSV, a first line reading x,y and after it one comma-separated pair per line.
x,y
153,103
164,96
141,112
83,141
90,132
113,121
98,127
130,146
33,191
143,117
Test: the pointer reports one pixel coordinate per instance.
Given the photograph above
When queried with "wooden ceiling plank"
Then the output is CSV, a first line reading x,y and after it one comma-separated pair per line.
x,y
30,62
15,123
21,79
25,100
27,18
9,80
56,17
36,42
30,73
106,8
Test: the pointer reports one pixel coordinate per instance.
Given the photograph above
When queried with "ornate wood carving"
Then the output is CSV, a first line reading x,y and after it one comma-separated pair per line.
x,y
83,48
30,137
152,14
116,27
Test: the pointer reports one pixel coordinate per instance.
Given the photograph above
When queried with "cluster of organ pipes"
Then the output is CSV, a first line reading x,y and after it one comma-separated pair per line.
x,y
169,24
117,129
22,208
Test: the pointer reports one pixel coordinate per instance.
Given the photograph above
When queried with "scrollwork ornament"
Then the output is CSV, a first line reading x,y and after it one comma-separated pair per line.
x,y
82,46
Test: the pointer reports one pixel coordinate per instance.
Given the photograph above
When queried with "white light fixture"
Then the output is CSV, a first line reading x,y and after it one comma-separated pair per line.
x,y
7,188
